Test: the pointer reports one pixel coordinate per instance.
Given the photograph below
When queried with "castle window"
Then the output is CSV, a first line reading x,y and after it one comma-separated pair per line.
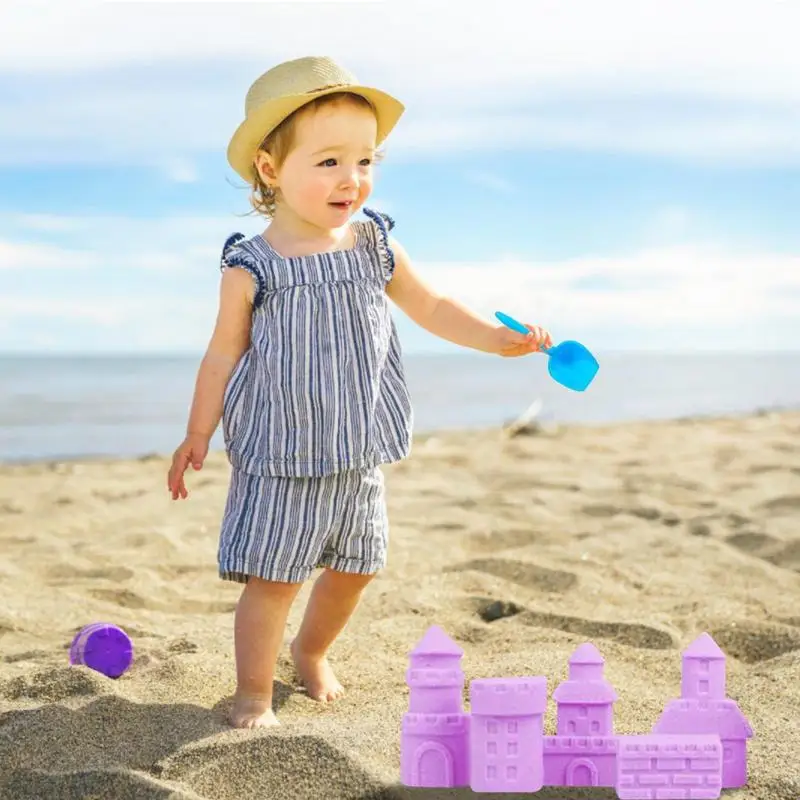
x,y
595,726
512,727
583,711
571,726
491,727
702,687
512,748
704,666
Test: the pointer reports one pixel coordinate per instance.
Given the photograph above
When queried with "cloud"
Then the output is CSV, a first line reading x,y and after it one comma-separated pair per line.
x,y
181,171
491,181
148,83
164,244
161,294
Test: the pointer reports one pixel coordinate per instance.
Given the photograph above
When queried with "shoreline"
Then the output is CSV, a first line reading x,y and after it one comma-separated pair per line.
x,y
422,435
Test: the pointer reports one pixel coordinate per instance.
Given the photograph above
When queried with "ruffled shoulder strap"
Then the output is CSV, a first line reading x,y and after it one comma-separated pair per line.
x,y
237,253
383,224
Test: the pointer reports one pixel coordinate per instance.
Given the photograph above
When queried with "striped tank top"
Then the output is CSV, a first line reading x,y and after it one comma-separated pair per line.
x,y
321,388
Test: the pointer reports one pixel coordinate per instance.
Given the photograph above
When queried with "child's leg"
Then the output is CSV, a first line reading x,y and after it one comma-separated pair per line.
x,y
259,627
355,552
333,599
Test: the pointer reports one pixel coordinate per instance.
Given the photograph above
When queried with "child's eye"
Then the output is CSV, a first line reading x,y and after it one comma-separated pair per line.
x,y
365,162
328,162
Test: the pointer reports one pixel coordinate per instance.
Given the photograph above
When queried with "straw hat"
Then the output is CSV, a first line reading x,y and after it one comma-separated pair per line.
x,y
287,87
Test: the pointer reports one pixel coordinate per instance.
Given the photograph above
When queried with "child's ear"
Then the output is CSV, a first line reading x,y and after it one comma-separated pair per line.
x,y
265,167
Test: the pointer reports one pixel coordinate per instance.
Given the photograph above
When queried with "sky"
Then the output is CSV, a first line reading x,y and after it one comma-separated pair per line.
x,y
625,172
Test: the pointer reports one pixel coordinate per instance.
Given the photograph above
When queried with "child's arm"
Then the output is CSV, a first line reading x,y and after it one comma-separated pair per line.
x,y
229,341
448,319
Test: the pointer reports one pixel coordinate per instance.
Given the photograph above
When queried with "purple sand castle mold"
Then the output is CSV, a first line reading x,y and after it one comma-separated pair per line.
x,y
102,647
697,748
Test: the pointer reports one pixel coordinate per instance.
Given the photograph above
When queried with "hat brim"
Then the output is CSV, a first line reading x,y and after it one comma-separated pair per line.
x,y
251,133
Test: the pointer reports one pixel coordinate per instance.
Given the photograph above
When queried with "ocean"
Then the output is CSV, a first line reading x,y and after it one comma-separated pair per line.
x,y
84,406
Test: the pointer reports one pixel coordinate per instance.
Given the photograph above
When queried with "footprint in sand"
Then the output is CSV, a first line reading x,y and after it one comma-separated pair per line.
x,y
172,571
63,572
602,510
522,573
760,469
755,642
768,548
492,610
17,539
495,541
121,597
115,497
629,634
785,504
697,527
28,655
182,645
788,556
447,525
646,513
128,599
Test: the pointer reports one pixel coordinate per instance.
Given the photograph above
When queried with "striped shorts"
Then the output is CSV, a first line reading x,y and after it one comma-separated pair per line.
x,y
283,528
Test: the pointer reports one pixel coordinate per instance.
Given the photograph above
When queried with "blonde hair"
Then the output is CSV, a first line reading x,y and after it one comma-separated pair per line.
x,y
280,141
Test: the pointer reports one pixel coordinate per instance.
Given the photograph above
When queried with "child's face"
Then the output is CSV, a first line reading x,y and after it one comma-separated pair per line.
x,y
327,176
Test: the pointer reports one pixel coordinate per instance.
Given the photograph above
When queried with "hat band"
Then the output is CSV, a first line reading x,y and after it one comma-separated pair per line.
x,y
326,87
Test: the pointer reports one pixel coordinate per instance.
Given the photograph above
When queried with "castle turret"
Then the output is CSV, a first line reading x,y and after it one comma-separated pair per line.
x,y
703,676
704,708
434,743
583,751
585,700
507,734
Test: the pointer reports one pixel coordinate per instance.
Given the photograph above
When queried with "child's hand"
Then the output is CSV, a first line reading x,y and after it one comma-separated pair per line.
x,y
193,450
511,344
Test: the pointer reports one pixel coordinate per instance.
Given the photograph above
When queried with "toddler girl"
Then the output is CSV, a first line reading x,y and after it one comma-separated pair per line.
x,y
304,370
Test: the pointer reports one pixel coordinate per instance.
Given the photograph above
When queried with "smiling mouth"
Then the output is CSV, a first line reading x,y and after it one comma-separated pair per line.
x,y
343,204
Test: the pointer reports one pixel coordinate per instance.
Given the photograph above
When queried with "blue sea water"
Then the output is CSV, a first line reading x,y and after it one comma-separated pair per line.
x,y
81,406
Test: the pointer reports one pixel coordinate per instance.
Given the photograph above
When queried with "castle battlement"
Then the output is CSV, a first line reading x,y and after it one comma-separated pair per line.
x,y
580,744
438,724
508,697
434,678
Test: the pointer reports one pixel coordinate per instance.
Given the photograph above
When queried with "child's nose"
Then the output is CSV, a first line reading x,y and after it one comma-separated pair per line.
x,y
351,179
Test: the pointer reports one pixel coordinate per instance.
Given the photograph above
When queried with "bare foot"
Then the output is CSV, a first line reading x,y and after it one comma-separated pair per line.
x,y
317,676
252,712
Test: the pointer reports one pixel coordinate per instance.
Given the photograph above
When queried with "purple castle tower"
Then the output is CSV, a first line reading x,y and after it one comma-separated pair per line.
x,y
434,742
506,734
584,750
703,708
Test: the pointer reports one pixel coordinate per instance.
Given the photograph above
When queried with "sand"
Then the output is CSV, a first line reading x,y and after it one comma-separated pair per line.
x,y
636,537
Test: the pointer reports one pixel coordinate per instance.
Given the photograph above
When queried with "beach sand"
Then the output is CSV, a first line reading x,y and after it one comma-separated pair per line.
x,y
636,537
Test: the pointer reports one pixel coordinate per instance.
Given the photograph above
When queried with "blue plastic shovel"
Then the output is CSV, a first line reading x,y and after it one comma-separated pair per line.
x,y
570,363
